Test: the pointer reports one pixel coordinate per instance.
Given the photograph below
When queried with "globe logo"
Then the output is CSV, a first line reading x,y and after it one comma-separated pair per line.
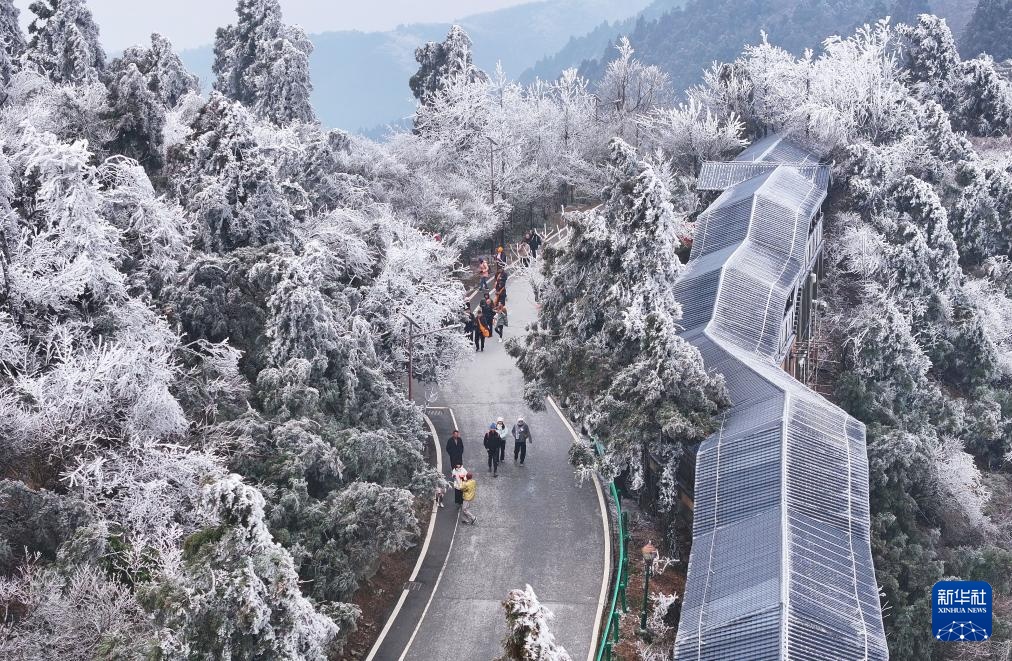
x,y
964,631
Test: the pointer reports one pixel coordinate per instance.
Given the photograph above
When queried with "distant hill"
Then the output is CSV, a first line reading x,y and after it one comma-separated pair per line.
x,y
989,30
955,12
685,40
360,79
590,45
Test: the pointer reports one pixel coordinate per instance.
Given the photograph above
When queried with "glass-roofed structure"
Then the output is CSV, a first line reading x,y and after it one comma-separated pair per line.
x,y
781,564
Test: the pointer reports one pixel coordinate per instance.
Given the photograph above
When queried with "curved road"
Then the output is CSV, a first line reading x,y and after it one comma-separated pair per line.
x,y
535,525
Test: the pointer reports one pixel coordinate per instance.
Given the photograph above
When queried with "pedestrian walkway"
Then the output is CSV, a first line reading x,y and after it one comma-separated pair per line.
x,y
535,524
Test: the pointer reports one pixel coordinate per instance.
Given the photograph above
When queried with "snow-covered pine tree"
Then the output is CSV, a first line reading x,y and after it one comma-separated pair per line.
x,y
63,42
12,40
982,103
286,85
982,213
137,117
440,62
323,171
237,577
230,186
529,637
165,73
11,37
977,97
929,50
264,63
608,303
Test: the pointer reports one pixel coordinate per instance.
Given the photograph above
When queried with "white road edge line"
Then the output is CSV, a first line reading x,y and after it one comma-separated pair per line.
x,y
607,540
421,555
435,587
453,418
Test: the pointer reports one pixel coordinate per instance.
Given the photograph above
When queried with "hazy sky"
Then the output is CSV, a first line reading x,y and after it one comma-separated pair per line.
x,y
189,23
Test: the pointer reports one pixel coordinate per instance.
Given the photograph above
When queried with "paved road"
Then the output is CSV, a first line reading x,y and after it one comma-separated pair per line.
x,y
535,525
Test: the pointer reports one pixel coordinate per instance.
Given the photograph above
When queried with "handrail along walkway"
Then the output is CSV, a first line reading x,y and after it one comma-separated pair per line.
x,y
610,636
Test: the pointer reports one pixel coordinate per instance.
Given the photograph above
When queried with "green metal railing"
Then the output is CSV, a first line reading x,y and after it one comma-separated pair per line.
x,y
610,636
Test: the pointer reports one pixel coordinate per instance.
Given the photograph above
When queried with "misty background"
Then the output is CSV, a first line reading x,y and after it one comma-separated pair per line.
x,y
364,54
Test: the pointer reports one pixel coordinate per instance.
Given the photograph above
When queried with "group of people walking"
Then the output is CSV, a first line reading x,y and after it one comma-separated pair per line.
x,y
491,314
464,485
529,247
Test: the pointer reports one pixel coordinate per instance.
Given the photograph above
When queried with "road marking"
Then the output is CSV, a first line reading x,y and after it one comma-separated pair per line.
x,y
433,593
421,555
607,540
453,418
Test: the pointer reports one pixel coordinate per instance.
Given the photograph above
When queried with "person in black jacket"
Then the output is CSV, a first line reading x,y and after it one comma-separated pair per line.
x,y
487,310
473,331
493,445
455,448
534,241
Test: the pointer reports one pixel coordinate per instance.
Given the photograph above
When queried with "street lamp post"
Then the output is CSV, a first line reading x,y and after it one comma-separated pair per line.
x,y
411,339
492,147
649,555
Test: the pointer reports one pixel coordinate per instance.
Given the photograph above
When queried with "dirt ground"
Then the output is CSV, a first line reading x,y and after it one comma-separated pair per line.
x,y
671,580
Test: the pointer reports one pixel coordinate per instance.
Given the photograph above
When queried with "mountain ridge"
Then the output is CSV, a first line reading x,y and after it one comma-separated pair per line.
x,y
373,89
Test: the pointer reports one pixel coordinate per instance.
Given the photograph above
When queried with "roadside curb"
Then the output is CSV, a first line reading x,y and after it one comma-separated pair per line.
x,y
377,652
606,524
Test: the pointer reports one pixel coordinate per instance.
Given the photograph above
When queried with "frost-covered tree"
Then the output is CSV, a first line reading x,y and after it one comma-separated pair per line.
x,y
929,49
63,42
12,41
690,134
264,63
977,97
442,62
152,228
239,592
982,211
983,99
630,88
78,615
164,72
231,187
529,637
284,95
323,170
11,37
167,75
608,302
137,117
88,411
68,199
